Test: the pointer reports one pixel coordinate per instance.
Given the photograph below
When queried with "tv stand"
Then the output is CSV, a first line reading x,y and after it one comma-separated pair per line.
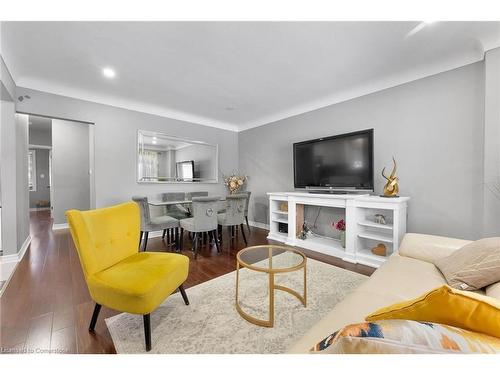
x,y
286,218
328,192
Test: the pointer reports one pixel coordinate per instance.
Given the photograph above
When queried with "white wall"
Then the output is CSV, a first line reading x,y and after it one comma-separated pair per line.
x,y
115,143
433,126
22,188
491,205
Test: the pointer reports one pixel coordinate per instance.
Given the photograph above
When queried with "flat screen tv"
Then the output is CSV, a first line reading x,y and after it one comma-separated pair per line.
x,y
341,162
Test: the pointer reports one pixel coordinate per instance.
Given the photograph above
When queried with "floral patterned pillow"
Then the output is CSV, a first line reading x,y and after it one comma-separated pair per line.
x,y
405,337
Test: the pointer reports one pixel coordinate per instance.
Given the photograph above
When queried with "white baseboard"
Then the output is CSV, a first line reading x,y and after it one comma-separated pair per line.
x,y
8,263
258,225
40,209
60,226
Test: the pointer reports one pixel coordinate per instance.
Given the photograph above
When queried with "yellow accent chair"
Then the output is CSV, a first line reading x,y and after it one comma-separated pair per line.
x,y
117,274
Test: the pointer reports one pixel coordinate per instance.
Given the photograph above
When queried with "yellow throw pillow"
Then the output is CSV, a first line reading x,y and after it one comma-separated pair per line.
x,y
446,305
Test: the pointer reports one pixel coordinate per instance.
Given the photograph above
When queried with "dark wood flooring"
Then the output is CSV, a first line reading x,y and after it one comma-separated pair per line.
x,y
47,308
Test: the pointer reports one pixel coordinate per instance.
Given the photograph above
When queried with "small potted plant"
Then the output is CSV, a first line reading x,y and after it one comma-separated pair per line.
x,y
340,226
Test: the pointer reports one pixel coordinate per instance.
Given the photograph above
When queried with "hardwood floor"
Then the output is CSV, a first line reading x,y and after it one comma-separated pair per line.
x,y
47,308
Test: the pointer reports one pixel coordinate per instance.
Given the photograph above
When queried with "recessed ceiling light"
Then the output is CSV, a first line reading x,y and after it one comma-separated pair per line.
x,y
154,141
108,73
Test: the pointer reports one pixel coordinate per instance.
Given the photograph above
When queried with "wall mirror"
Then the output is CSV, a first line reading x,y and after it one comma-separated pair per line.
x,y
162,158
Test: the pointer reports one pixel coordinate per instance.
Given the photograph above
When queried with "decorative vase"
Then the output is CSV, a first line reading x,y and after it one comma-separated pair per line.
x,y
342,239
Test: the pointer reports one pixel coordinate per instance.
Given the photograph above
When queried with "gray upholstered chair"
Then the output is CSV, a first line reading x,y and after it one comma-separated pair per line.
x,y
204,220
150,224
247,203
234,215
177,211
192,194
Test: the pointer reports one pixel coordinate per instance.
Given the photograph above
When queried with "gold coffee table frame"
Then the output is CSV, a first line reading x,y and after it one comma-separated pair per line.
x,y
272,286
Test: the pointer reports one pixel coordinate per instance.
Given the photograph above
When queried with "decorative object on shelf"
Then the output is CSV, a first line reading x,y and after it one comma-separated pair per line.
x,y
304,232
234,182
380,219
284,206
340,226
380,250
391,188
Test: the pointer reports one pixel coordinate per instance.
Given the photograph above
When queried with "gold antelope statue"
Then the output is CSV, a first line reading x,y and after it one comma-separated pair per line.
x,y
391,188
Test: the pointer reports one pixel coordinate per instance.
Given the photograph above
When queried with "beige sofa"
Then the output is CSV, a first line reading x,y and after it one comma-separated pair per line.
x,y
403,276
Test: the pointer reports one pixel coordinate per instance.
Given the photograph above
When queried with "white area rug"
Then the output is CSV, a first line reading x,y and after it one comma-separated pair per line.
x,y
211,324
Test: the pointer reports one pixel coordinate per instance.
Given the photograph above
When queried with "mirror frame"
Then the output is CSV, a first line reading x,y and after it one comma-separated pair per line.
x,y
153,132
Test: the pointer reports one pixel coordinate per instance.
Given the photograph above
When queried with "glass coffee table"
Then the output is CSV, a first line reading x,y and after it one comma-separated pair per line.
x,y
271,259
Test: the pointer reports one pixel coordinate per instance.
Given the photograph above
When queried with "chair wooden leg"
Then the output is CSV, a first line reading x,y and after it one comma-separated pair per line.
x,y
216,239
248,225
146,235
168,237
147,331
93,321
140,238
243,234
176,242
164,232
183,294
219,233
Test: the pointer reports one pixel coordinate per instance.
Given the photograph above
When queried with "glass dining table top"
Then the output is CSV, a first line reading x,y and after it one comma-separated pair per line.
x,y
159,202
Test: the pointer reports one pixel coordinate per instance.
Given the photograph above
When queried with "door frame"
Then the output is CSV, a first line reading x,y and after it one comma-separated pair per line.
x,y
91,126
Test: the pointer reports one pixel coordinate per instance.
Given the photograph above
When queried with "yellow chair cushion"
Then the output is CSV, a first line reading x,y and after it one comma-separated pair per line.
x,y
446,305
139,283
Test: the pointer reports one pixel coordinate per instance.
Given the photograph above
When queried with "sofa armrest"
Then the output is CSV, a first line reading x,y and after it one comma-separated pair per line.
x,y
429,248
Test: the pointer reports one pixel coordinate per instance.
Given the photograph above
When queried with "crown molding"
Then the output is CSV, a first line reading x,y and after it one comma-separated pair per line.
x,y
368,88
132,105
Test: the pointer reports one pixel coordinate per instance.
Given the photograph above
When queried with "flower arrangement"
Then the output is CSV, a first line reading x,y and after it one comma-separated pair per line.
x,y
234,182
340,226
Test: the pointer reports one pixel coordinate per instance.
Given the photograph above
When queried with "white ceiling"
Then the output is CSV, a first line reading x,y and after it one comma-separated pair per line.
x,y
235,75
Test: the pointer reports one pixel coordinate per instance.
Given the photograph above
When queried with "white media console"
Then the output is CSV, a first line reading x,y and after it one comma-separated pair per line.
x,y
362,231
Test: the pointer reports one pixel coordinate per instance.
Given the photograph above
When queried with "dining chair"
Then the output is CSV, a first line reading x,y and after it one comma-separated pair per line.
x,y
117,274
177,211
204,220
191,194
151,224
234,216
247,203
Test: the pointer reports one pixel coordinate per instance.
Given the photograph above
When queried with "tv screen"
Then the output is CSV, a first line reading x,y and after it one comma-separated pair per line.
x,y
342,161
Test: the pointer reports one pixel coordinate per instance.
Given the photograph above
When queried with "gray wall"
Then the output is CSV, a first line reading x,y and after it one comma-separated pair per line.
x,y
491,211
70,168
433,126
115,143
42,192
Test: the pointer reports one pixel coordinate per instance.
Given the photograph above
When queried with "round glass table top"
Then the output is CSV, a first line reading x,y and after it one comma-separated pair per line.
x,y
271,258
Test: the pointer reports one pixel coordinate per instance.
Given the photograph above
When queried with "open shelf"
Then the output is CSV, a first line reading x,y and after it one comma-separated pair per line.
x,y
369,258
372,224
376,236
278,212
281,220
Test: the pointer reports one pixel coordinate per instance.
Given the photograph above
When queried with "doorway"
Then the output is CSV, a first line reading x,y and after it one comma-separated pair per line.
x,y
60,166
